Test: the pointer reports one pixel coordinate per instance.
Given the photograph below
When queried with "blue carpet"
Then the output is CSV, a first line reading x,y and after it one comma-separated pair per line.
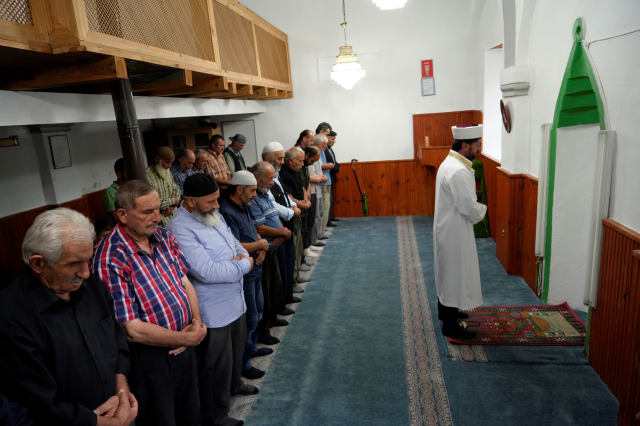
x,y
342,359
518,385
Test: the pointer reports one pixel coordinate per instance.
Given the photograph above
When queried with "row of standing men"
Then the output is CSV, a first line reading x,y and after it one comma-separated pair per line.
x,y
172,316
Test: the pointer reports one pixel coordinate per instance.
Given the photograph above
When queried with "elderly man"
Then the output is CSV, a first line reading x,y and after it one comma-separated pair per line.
x,y
64,357
265,218
160,177
305,139
109,196
311,155
456,211
331,158
156,305
218,263
292,185
217,165
326,185
182,167
317,178
234,210
274,154
202,160
232,154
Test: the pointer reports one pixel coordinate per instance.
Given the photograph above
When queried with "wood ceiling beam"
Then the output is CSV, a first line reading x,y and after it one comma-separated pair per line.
x,y
232,91
201,85
102,70
241,90
161,81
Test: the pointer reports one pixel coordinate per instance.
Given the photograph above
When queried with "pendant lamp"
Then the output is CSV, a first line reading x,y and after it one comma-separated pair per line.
x,y
347,71
390,4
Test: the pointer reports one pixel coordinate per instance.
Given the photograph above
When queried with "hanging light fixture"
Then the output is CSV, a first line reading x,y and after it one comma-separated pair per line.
x,y
390,4
347,71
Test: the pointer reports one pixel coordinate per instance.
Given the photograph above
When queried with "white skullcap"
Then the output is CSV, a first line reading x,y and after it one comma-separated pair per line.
x,y
467,131
243,177
273,147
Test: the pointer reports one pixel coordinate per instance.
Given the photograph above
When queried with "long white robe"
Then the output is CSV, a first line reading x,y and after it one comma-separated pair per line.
x,y
456,210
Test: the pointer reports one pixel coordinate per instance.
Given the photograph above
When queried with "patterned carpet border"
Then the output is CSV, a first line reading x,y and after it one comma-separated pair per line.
x,y
428,400
521,325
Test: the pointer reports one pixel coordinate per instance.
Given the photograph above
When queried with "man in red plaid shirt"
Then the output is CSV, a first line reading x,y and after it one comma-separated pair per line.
x,y
156,306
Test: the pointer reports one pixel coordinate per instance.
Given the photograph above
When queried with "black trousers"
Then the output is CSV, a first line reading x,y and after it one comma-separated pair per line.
x,y
311,220
165,385
286,255
219,365
448,315
333,197
271,292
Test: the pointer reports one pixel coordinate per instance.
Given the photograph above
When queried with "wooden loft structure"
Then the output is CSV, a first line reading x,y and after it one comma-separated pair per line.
x,y
183,48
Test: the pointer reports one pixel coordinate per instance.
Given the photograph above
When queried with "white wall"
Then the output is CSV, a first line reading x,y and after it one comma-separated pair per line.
x,y
374,119
492,136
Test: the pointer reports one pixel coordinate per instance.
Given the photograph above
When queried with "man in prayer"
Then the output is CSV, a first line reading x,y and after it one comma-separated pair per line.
x,y
265,218
327,167
160,178
217,165
456,211
109,196
63,355
331,158
218,263
311,155
202,160
233,156
156,305
242,191
317,178
274,154
305,139
182,168
292,185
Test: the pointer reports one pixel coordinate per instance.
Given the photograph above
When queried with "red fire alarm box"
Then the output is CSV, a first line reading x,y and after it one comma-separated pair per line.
x,y
427,68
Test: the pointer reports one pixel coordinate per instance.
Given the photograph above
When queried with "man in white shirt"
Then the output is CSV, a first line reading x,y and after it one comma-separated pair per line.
x,y
456,211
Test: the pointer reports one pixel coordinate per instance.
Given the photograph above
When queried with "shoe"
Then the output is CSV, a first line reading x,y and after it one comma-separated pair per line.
x,y
458,331
323,238
335,219
294,300
304,267
260,352
268,340
297,289
287,312
252,373
331,225
309,253
246,389
318,245
279,323
301,280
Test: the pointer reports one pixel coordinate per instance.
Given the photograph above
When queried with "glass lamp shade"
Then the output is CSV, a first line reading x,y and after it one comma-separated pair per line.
x,y
347,71
390,4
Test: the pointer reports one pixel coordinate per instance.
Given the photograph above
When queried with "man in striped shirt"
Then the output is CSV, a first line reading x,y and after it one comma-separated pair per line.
x,y
156,305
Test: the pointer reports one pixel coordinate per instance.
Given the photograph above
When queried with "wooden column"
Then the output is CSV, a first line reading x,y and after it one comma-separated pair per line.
x,y
128,130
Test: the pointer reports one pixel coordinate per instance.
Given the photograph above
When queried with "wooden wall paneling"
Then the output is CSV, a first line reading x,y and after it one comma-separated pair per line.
x,y
490,172
614,348
96,210
438,126
503,208
12,231
235,41
81,205
528,240
272,53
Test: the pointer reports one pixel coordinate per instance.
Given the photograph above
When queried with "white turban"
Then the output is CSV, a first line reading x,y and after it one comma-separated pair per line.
x,y
273,147
243,177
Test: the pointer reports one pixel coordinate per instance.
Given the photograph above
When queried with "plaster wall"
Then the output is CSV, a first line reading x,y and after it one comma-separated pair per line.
x,y
492,128
374,119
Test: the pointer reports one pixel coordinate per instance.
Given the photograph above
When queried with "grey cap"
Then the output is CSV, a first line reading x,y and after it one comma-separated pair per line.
x,y
238,138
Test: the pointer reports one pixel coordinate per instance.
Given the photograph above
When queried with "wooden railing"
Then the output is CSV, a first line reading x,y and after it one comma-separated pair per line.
x,y
614,343
205,38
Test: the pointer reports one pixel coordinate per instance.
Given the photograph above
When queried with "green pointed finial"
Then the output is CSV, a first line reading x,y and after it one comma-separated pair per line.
x,y
578,30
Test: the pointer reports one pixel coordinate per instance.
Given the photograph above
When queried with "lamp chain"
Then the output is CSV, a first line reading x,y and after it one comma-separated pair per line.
x,y
344,24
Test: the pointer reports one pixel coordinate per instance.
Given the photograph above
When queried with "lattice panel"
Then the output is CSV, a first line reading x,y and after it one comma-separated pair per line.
x,y
180,26
273,56
18,11
235,41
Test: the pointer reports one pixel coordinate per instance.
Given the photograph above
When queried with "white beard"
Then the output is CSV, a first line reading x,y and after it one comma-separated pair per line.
x,y
208,219
162,172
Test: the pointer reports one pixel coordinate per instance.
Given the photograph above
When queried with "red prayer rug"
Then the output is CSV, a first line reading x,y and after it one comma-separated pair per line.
x,y
524,325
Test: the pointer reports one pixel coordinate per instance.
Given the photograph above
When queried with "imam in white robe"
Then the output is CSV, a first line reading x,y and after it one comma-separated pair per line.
x,y
456,210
